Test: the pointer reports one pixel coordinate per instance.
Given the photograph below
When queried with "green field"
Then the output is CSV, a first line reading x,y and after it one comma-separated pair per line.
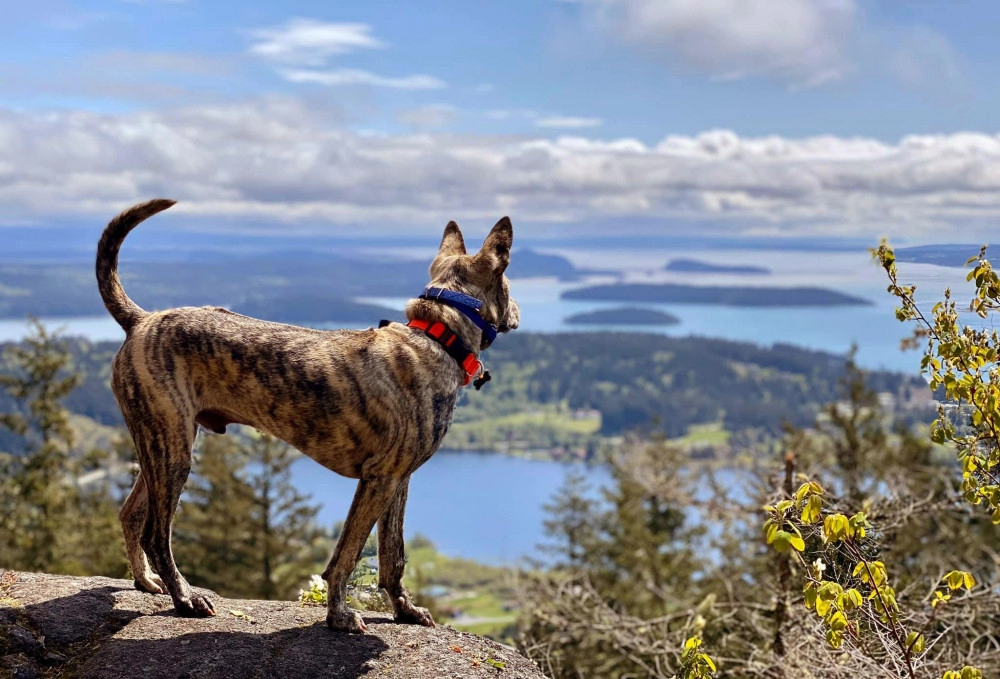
x,y
478,598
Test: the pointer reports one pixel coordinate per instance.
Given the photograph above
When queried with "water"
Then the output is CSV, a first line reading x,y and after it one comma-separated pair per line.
x,y
489,507
486,507
874,328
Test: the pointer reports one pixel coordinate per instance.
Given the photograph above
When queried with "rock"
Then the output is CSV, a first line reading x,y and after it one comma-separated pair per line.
x,y
18,667
100,628
20,640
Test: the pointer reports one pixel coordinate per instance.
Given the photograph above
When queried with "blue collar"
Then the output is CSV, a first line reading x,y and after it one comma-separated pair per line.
x,y
468,305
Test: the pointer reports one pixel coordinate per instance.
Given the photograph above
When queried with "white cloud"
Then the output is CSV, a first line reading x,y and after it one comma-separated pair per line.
x,y
508,114
428,117
799,41
921,58
281,160
309,42
568,122
803,43
352,76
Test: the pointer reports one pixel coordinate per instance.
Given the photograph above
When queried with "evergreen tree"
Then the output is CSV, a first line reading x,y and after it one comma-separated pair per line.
x,y
213,531
570,523
285,531
243,529
50,523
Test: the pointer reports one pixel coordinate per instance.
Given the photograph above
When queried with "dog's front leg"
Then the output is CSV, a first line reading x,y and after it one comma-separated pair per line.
x,y
370,501
392,562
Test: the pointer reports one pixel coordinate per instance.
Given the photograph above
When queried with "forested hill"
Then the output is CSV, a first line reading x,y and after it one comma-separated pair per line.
x,y
636,379
570,390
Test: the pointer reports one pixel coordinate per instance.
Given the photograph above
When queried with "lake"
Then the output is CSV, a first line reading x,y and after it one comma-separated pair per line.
x,y
481,506
874,328
489,507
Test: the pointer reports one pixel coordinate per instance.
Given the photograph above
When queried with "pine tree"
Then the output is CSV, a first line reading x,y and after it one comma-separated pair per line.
x,y
243,529
212,531
284,522
571,523
48,522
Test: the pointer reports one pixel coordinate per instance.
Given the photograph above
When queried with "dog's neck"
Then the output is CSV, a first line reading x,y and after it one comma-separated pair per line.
x,y
459,323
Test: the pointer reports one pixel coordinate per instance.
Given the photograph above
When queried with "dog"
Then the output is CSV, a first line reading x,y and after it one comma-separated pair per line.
x,y
372,404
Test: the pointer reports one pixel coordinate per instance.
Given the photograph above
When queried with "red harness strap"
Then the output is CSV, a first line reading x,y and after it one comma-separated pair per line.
x,y
454,345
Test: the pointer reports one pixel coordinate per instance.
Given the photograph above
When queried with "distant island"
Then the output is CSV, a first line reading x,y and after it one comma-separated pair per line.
x,y
668,293
942,255
697,266
529,264
288,286
623,316
314,309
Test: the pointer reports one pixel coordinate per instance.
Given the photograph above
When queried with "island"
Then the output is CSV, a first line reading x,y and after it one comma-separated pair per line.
x,y
697,266
941,255
530,264
623,316
313,309
669,293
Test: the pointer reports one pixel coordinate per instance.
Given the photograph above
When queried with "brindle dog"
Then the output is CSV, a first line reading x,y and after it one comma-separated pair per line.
x,y
372,405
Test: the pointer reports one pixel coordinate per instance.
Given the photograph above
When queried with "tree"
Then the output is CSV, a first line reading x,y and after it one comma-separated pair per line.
x,y
213,528
611,607
885,524
48,521
286,535
243,529
569,526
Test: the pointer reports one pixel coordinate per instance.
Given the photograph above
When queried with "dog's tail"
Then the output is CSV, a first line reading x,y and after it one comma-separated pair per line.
x,y
123,309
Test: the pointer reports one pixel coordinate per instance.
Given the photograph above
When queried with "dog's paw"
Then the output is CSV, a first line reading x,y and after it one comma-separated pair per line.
x,y
346,620
408,614
150,583
197,606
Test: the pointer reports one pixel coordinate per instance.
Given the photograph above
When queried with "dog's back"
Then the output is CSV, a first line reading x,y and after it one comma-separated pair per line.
x,y
346,398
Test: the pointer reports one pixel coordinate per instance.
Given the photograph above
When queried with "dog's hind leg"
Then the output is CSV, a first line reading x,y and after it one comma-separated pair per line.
x,y
133,519
370,502
165,459
392,562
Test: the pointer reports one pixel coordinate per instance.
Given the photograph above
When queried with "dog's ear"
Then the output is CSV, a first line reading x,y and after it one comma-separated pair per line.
x,y
496,248
452,243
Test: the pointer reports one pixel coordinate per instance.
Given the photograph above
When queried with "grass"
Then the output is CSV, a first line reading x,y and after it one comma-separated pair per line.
x,y
542,428
547,418
705,434
478,590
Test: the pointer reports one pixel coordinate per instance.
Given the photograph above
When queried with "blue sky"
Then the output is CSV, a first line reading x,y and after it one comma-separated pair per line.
x,y
750,117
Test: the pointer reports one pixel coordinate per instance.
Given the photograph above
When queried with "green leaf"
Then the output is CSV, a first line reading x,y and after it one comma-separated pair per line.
x,y
810,598
823,607
838,622
853,598
782,540
835,639
915,642
957,579
811,512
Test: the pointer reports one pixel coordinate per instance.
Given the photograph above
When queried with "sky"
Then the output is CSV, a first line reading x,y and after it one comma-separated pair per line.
x,y
730,118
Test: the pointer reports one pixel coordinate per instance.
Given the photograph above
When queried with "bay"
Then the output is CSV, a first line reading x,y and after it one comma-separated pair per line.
x,y
481,506
489,507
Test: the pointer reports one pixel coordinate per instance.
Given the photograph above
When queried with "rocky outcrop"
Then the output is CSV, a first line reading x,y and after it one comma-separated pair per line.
x,y
100,628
